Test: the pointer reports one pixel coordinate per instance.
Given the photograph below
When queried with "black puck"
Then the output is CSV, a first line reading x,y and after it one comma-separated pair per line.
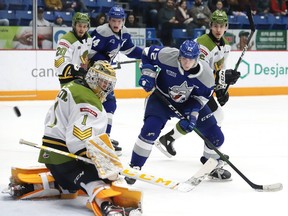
x,y
17,111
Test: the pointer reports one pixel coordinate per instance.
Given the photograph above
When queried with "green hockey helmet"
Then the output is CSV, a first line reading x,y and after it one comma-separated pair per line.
x,y
219,17
80,17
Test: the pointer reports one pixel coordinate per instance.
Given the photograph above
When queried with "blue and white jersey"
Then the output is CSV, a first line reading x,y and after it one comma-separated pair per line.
x,y
107,44
180,87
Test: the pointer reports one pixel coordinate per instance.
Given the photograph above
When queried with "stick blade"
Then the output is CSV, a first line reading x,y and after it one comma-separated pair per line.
x,y
271,188
198,177
184,187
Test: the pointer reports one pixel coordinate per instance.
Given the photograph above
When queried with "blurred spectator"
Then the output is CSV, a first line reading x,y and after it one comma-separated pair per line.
x,y
4,22
41,21
183,17
100,19
3,5
74,5
181,14
59,21
218,5
131,21
69,5
263,7
201,14
239,8
53,5
278,7
235,8
167,22
148,9
80,6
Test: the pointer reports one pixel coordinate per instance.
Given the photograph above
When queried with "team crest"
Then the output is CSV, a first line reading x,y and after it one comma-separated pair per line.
x,y
180,93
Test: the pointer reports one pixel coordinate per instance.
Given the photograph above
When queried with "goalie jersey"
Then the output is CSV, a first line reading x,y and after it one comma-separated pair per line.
x,y
77,114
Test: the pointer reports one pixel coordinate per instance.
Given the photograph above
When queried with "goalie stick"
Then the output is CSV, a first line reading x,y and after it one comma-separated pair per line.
x,y
118,64
186,186
252,27
266,188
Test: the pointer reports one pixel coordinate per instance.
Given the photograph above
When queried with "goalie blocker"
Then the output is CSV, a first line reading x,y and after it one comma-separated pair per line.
x,y
37,182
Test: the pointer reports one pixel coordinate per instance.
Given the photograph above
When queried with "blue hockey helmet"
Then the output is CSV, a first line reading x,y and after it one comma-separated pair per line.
x,y
117,12
189,49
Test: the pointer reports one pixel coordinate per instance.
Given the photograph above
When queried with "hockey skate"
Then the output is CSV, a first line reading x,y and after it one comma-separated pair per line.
x,y
131,181
108,209
116,146
165,144
218,174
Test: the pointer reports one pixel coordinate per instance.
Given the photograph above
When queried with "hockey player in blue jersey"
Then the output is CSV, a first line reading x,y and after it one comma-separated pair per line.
x,y
108,40
188,83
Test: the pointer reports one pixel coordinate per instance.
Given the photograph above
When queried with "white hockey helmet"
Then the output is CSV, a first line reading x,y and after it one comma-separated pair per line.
x,y
101,78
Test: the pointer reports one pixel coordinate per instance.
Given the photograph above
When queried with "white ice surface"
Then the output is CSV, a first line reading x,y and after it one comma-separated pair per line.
x,y
256,141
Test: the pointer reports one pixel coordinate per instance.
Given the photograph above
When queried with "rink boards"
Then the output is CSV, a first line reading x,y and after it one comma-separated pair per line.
x,y
30,75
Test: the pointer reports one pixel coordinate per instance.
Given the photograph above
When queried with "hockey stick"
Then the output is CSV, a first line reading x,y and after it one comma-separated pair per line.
x,y
118,64
266,188
186,186
252,27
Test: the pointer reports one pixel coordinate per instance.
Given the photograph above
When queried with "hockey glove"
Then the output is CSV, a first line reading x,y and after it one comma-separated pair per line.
x,y
78,72
188,124
227,77
221,96
147,79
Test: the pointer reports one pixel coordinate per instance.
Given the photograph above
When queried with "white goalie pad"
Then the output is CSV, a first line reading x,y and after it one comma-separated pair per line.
x,y
100,150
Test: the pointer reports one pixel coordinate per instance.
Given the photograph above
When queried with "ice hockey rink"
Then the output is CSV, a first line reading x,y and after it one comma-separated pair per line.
x,y
255,130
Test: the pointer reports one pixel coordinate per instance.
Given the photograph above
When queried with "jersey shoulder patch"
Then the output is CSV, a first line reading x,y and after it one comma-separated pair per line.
x,y
82,94
70,37
207,77
104,30
206,41
168,56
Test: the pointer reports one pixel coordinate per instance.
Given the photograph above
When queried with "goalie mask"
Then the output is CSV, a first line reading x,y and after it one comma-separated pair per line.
x,y
101,78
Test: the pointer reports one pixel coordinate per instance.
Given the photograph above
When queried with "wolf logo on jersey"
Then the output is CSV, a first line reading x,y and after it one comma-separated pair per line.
x,y
180,93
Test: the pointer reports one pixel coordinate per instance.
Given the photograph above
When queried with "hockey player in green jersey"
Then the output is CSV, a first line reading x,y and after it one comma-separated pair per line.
x,y
71,60
76,124
77,116
214,50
